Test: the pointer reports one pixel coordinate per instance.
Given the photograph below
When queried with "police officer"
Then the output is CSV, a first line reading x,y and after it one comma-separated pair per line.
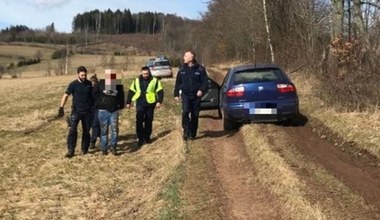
x,y
147,93
192,81
81,89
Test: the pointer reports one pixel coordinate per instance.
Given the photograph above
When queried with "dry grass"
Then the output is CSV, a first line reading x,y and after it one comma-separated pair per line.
x,y
128,65
16,51
37,182
361,128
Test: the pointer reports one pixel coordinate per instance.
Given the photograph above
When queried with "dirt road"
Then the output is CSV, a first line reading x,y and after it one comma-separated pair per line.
x,y
231,175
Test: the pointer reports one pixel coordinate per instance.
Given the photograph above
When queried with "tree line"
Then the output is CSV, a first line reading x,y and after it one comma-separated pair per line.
x,y
119,22
336,39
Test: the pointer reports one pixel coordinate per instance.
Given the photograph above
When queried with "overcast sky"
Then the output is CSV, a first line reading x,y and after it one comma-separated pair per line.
x,y
40,13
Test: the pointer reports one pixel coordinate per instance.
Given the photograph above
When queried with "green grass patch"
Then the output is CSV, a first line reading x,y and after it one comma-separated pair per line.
x,y
171,195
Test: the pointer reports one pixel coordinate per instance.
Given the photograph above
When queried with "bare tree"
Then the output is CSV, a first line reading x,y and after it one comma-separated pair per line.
x,y
338,18
268,32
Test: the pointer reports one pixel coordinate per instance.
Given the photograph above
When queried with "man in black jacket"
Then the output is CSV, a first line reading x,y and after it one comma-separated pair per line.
x,y
192,81
109,102
147,93
81,111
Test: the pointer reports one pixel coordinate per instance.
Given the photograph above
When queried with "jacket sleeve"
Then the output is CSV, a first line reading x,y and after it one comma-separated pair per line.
x,y
204,81
178,82
121,96
131,93
160,96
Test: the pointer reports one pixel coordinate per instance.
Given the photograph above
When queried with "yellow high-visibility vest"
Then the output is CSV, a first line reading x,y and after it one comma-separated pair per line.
x,y
151,90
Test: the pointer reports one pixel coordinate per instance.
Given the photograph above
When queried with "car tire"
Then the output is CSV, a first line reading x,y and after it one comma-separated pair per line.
x,y
229,125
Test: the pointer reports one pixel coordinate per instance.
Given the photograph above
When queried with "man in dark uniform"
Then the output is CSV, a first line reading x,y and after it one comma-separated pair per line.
x,y
147,92
192,81
81,89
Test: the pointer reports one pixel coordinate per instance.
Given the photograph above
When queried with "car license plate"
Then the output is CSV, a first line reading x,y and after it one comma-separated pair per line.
x,y
263,111
261,108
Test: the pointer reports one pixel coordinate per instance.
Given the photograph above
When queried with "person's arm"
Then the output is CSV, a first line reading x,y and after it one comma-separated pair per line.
x,y
131,93
61,112
204,81
178,82
160,96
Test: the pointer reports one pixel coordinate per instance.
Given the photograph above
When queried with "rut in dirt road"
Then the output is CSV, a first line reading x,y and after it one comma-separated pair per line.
x,y
246,198
356,173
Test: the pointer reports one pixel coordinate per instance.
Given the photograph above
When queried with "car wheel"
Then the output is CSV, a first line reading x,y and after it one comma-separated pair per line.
x,y
229,125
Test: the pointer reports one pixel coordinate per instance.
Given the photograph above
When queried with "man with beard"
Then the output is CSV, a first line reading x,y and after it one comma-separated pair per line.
x,y
81,89
147,93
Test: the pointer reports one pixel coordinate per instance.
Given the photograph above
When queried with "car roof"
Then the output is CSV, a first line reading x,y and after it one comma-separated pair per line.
x,y
254,66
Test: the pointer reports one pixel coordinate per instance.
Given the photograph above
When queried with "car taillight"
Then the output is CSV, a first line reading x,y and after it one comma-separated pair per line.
x,y
285,88
236,92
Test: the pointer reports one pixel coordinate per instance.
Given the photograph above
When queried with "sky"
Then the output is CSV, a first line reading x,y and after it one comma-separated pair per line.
x,y
38,14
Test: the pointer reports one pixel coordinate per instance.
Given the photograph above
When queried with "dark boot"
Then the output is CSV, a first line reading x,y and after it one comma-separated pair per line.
x,y
69,154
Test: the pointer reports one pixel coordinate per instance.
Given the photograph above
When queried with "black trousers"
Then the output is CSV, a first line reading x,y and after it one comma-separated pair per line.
x,y
191,106
85,119
144,121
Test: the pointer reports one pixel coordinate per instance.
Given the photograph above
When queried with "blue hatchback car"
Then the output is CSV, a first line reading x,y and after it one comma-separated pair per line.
x,y
254,93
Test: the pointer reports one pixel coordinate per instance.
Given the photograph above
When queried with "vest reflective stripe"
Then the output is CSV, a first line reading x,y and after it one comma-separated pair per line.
x,y
150,94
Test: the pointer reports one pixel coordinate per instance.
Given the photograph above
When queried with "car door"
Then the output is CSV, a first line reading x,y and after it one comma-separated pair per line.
x,y
210,100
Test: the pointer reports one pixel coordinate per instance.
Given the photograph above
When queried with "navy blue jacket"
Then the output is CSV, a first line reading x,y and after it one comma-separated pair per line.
x,y
190,80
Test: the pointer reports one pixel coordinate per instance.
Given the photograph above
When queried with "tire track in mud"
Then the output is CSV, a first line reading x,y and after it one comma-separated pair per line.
x,y
356,173
246,199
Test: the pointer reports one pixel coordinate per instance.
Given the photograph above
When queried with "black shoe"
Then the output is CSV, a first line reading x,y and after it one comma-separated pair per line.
x,y
92,146
140,143
148,141
69,154
104,152
114,151
185,137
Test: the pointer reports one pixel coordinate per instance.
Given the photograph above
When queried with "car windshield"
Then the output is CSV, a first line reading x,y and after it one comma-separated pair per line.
x,y
162,63
257,75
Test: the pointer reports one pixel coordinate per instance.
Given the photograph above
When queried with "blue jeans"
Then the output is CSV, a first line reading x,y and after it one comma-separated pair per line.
x,y
108,120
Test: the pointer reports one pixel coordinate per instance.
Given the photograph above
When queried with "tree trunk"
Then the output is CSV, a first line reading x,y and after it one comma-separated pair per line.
x,y
338,16
268,32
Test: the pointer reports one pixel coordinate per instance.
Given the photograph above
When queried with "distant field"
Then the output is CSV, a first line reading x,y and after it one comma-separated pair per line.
x,y
95,63
14,53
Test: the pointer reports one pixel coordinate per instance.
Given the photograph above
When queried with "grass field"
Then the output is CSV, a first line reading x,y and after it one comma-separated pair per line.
x,y
37,182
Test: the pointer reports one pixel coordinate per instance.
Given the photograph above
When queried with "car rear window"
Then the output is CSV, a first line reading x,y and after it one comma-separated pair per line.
x,y
162,63
257,75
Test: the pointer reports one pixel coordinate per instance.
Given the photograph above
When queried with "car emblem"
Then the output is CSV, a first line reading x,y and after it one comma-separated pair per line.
x,y
261,88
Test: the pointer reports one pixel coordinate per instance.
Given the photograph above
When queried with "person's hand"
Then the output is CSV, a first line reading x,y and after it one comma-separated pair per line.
x,y
176,98
199,93
128,106
158,105
61,113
